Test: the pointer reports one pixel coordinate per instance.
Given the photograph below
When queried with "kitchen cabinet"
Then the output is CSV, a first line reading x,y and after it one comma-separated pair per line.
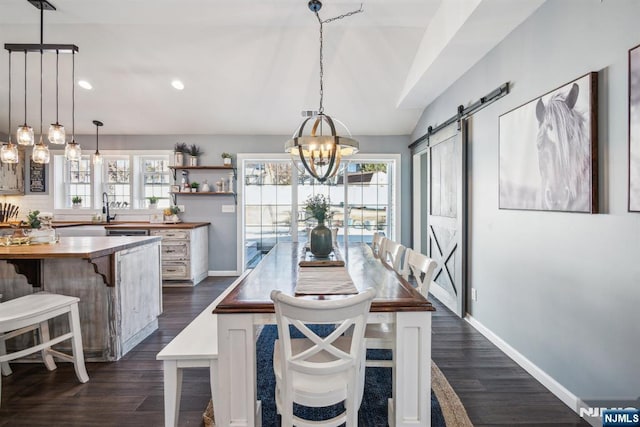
x,y
185,255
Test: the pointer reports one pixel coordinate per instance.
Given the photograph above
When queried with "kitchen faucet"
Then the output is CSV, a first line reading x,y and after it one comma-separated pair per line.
x,y
105,207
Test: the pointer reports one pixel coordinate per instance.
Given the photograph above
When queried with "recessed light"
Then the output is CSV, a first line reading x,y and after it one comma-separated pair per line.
x,y
177,84
85,85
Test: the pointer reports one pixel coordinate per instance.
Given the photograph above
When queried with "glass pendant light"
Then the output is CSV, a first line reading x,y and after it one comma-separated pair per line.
x,y
24,135
97,157
9,151
72,150
40,152
57,135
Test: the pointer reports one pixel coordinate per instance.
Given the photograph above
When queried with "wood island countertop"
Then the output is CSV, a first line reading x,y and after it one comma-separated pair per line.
x,y
131,225
87,247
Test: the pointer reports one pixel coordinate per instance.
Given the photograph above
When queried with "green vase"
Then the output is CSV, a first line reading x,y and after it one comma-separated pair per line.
x,y
321,241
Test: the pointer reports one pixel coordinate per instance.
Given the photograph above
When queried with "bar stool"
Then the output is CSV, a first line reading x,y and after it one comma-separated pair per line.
x,y
32,312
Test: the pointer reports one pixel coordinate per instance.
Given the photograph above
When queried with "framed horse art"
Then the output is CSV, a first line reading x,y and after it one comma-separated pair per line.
x,y
548,151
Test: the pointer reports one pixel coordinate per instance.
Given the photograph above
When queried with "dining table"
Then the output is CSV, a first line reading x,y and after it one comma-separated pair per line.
x,y
249,305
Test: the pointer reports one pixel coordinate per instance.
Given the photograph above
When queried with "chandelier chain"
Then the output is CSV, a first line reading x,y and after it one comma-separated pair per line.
x,y
321,22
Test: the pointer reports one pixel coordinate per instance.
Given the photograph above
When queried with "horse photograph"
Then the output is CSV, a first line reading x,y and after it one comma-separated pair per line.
x,y
548,151
634,129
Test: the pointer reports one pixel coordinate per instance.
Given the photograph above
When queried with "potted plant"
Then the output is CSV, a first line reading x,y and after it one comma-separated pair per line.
x,y
178,153
153,202
194,153
194,186
76,201
321,242
171,214
226,159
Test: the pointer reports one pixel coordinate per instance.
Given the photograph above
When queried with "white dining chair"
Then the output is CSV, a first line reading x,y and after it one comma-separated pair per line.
x,y
376,243
421,267
392,254
314,371
32,312
381,335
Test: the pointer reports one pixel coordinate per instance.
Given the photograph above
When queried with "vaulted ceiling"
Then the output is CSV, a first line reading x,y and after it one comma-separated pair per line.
x,y
248,66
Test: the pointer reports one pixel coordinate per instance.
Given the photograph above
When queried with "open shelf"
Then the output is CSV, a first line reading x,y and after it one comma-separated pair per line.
x,y
203,193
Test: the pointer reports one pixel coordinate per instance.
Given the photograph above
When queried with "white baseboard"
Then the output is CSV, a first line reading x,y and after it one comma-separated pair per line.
x,y
568,398
223,273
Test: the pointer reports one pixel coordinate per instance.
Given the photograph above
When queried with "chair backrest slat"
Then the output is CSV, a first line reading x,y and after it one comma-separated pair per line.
x,y
344,313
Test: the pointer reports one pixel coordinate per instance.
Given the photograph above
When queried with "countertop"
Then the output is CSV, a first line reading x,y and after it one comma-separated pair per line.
x,y
86,247
131,225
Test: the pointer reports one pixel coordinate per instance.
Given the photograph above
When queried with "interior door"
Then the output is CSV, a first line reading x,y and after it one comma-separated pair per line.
x,y
446,215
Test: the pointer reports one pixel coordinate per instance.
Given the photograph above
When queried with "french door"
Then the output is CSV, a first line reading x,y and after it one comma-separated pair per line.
x,y
272,193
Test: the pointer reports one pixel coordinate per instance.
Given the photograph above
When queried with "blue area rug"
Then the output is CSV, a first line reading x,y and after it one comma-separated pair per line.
x,y
373,411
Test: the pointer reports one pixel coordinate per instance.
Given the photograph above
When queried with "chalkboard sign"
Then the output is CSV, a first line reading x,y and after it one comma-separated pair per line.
x,y
37,178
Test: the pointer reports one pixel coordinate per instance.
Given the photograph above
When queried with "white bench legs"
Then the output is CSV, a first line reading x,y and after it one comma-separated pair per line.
x,y
173,384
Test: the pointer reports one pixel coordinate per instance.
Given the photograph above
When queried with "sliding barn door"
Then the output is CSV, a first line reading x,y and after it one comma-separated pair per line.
x,y
446,215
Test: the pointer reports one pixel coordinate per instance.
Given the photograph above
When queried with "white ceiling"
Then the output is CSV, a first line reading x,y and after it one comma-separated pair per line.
x,y
249,66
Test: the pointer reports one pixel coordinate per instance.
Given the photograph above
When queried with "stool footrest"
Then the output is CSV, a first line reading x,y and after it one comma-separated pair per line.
x,y
35,348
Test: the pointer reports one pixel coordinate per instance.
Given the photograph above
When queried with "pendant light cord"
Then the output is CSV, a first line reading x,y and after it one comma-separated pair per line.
x,y
57,99
25,87
41,55
10,97
73,98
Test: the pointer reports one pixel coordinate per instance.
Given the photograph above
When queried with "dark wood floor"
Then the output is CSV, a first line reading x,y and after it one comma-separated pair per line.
x,y
129,392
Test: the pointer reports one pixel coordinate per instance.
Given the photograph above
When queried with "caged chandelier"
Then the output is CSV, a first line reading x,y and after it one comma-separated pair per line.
x,y
56,133
320,153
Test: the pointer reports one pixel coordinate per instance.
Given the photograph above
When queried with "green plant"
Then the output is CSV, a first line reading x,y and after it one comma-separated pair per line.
x,y
76,200
180,147
153,200
195,184
317,207
226,155
32,220
194,151
172,210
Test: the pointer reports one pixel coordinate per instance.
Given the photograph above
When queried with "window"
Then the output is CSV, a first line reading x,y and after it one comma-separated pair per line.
x,y
156,180
77,176
128,179
118,181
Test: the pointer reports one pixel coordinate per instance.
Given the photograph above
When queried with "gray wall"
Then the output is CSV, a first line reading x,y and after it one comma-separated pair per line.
x,y
222,232
563,289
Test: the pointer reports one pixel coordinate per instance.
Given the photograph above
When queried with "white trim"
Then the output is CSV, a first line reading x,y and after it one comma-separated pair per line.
x,y
568,398
215,273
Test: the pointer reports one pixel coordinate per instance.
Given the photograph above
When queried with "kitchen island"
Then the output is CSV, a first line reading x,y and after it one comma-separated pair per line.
x,y
118,281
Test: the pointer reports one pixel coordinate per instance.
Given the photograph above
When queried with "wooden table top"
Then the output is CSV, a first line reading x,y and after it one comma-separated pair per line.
x,y
279,270
75,247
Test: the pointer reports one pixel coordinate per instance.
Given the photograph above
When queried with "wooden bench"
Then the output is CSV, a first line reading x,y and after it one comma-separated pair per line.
x,y
196,346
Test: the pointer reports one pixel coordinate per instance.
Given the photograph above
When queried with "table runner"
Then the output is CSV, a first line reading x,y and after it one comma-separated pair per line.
x,y
324,281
